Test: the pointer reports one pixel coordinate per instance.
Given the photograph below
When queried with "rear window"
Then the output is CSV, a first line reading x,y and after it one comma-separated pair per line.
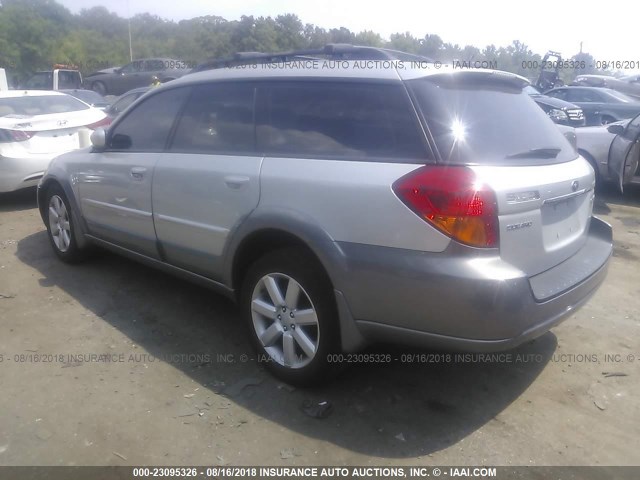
x,y
88,96
40,105
478,121
338,120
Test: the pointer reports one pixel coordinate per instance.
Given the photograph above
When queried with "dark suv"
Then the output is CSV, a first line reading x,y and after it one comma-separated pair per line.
x,y
139,73
561,112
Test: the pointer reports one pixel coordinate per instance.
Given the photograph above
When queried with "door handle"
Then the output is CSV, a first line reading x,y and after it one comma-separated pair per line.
x,y
137,173
235,181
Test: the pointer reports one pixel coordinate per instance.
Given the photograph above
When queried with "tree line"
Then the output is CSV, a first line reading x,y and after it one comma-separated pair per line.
x,y
35,34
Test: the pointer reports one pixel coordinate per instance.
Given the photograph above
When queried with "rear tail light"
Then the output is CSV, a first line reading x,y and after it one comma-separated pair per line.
x,y
452,200
105,122
9,136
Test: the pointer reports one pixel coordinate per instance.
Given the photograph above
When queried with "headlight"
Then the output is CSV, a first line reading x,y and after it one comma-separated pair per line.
x,y
557,115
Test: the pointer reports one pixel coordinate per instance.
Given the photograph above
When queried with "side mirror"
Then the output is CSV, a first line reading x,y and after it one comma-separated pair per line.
x,y
99,138
120,142
616,129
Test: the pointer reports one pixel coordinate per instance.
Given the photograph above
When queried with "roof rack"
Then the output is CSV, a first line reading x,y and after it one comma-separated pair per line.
x,y
336,51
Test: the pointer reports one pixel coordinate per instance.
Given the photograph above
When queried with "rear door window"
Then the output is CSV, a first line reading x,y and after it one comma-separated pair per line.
x,y
338,120
476,121
217,119
581,96
561,94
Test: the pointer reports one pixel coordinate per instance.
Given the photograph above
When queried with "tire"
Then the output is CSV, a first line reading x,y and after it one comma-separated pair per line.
x,y
296,351
99,87
607,119
60,226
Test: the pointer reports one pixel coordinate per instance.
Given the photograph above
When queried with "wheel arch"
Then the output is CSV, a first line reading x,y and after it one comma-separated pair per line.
x,y
266,231
592,161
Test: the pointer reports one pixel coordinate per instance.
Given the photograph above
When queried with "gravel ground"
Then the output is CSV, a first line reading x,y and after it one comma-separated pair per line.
x,y
181,386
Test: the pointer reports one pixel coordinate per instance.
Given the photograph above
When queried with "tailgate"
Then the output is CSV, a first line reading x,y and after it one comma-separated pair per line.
x,y
544,211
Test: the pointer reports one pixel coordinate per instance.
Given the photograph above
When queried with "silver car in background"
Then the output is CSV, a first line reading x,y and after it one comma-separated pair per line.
x,y
613,151
342,207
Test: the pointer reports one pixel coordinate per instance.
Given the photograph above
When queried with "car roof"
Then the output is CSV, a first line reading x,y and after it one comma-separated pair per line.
x,y
391,70
28,93
135,90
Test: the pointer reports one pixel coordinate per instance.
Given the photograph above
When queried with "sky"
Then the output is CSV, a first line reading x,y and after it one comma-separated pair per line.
x,y
543,25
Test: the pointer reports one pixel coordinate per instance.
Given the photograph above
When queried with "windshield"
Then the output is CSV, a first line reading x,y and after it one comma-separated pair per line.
x,y
477,121
40,105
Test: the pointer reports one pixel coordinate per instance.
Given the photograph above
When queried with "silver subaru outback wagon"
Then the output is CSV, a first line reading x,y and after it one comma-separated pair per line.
x,y
341,207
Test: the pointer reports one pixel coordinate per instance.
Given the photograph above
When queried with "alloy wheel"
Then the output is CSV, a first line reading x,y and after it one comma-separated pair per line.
x,y
59,223
285,320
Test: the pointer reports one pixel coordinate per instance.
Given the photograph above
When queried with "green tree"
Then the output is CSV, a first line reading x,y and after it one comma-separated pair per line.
x,y
34,34
431,46
369,38
316,37
404,42
290,32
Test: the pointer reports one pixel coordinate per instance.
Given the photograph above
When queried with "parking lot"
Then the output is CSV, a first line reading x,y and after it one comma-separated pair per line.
x,y
112,363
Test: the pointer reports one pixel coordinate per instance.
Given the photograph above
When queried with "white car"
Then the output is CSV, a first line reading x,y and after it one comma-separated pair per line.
x,y
35,127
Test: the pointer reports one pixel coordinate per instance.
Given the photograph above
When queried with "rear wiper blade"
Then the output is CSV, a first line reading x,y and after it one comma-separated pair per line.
x,y
550,152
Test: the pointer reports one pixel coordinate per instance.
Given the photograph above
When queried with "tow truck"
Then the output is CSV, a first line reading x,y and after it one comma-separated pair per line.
x,y
60,77
549,72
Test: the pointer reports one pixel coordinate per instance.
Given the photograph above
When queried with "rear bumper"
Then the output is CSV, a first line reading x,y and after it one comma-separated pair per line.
x,y
460,301
17,173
